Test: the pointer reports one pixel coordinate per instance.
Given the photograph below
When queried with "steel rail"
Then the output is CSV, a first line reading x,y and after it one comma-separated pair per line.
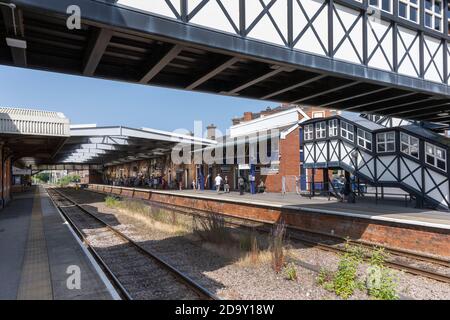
x,y
190,283
115,281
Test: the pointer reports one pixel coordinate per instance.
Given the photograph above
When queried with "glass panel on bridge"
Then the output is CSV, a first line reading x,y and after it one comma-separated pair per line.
x,y
409,145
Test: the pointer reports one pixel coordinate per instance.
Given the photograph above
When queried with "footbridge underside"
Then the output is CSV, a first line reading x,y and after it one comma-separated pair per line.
x,y
329,53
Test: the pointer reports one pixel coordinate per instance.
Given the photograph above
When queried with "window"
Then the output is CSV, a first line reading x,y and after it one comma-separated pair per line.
x,y
448,15
435,156
386,142
433,14
333,128
385,5
409,9
347,131
318,114
364,139
321,128
309,132
409,145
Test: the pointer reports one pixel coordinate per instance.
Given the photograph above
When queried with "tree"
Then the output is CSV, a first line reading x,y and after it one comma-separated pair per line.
x,y
42,177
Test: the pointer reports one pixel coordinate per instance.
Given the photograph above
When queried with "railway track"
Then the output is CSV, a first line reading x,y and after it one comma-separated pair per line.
x,y
136,272
413,263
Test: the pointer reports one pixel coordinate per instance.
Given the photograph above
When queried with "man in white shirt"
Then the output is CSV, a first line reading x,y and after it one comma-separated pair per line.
x,y
218,181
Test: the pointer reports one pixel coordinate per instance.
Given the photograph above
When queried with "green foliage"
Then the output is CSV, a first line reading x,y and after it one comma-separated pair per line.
x,y
345,280
290,271
65,181
325,277
42,177
112,202
380,280
378,257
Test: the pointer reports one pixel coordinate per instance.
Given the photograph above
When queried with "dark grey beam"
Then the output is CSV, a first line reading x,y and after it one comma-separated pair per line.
x,y
97,45
326,92
130,21
13,21
212,73
409,103
276,70
378,101
439,119
295,86
160,60
410,112
350,97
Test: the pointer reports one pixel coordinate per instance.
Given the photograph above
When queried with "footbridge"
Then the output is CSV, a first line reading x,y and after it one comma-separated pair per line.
x,y
381,57
409,157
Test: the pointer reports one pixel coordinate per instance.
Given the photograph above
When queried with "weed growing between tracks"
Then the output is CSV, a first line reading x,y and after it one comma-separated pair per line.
x,y
379,281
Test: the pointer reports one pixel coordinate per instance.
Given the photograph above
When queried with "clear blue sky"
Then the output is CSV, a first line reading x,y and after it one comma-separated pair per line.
x,y
87,100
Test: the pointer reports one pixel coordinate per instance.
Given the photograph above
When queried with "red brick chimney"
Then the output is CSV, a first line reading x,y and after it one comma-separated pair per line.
x,y
248,116
211,132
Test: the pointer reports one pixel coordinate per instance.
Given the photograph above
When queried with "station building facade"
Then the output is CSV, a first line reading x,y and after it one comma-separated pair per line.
x,y
285,172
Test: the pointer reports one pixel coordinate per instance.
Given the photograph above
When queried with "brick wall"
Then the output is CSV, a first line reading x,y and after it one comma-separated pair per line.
x,y
289,162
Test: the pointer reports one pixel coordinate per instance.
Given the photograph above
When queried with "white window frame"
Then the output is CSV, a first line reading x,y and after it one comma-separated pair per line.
x,y
309,132
364,138
346,132
434,154
321,130
434,14
333,128
410,5
379,5
409,145
318,114
386,142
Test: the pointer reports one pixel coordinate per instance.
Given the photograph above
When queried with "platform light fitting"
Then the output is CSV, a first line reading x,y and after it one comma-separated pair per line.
x,y
16,43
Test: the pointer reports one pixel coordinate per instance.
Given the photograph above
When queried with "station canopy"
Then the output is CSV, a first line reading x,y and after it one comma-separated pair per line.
x,y
32,137
115,145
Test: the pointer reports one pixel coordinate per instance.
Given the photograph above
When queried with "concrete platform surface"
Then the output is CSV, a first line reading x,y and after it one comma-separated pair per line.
x,y
39,254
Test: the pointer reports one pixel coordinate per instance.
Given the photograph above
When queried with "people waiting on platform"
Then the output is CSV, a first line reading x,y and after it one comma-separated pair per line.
x,y
241,184
218,182
226,185
261,187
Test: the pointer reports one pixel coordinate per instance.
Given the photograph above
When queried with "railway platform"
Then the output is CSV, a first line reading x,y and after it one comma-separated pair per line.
x,y
388,224
44,256
384,210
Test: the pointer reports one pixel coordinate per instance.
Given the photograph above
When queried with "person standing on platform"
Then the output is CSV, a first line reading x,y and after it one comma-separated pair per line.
x,y
218,181
241,184
226,185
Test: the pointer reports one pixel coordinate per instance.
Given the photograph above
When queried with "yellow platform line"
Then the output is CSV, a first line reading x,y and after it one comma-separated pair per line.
x,y
35,283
